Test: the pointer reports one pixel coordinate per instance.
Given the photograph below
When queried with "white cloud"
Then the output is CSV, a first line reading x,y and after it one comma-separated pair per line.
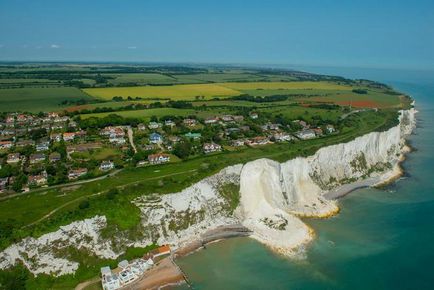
x,y
55,46
132,47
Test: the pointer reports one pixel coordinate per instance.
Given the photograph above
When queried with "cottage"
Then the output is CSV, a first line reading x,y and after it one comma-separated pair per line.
x,y
318,131
306,134
109,280
194,136
259,140
211,120
106,165
54,157
36,158
238,143
227,118
5,144
330,129
238,118
76,173
169,123
117,140
13,158
174,139
153,125
211,147
158,158
52,115
56,137
190,122
141,127
282,137
43,146
68,136
24,143
155,138
37,180
114,132
253,115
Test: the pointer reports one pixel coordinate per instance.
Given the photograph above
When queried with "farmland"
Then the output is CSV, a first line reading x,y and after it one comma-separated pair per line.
x,y
38,99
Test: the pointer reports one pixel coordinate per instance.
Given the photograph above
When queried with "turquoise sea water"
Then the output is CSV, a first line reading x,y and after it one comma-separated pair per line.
x,y
382,239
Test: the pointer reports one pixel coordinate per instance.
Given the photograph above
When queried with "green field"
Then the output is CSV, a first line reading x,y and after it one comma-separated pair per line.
x,y
140,78
38,99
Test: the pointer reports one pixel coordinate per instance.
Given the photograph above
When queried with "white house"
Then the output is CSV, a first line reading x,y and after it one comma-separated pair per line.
x,y
211,147
158,158
306,134
106,165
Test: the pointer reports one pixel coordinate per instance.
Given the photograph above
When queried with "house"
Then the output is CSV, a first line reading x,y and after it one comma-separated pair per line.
x,y
259,140
24,143
330,129
282,137
238,118
56,137
5,144
153,125
155,138
158,158
106,165
109,280
76,173
54,157
113,132
227,118
13,158
3,183
10,119
8,132
174,139
302,124
231,130
253,115
141,127
194,136
211,147
318,131
190,122
37,180
126,276
306,134
52,115
43,146
211,120
169,123
142,163
68,136
36,158
238,142
117,140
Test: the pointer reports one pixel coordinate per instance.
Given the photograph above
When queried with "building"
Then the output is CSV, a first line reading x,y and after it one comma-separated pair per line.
x,y
238,118
24,143
174,139
113,131
194,136
211,147
54,157
330,129
238,142
43,146
259,140
5,144
211,120
318,131
56,137
190,122
253,115
106,165
109,280
141,127
68,136
282,137
37,180
153,125
227,118
3,183
306,134
169,123
158,158
76,173
155,138
13,158
117,140
36,158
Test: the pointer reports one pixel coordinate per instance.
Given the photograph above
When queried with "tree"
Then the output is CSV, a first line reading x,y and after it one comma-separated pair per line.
x,y
20,180
84,204
183,149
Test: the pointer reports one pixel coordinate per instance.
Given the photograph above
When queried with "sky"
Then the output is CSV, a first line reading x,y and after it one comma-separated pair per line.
x,y
341,33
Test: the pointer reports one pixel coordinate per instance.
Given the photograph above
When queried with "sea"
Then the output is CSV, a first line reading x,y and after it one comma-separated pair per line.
x,y
381,239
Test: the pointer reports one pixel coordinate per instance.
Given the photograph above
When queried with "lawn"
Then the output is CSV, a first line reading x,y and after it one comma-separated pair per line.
x,y
38,99
175,92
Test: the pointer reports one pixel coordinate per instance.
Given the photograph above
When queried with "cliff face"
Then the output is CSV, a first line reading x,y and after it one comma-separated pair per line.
x,y
273,194
272,197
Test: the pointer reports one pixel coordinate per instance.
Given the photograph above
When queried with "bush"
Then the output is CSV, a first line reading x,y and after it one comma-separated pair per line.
x,y
84,204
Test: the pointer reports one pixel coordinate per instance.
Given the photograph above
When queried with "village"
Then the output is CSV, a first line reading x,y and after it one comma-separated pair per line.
x,y
45,149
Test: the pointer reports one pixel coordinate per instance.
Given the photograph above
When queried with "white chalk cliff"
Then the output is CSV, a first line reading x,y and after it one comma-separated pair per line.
x,y
272,198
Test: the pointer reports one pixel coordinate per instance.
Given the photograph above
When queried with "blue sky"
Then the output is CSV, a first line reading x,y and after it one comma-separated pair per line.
x,y
342,33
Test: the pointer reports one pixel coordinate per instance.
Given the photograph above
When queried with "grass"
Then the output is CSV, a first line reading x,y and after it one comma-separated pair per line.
x,y
141,78
37,99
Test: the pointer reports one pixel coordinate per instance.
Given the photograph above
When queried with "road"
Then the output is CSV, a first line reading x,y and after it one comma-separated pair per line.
x,y
131,138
